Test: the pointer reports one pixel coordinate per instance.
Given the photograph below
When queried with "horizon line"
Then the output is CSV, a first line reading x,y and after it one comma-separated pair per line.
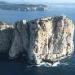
x,y
40,2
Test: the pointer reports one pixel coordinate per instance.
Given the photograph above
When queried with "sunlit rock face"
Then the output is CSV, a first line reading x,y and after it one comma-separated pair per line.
x,y
41,40
51,38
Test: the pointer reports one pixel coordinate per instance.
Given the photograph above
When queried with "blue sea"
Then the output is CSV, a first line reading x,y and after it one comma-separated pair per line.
x,y
16,68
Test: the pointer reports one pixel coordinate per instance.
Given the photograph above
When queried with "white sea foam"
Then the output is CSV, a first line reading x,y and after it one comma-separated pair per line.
x,y
56,64
46,64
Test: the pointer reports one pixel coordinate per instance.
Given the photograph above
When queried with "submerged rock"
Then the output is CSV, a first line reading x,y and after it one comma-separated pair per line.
x,y
41,40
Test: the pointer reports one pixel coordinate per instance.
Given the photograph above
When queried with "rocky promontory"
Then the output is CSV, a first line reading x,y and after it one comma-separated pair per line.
x,y
47,39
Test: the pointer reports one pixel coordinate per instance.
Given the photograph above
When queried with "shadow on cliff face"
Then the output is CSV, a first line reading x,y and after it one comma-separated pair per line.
x,y
56,31
6,39
8,33
5,43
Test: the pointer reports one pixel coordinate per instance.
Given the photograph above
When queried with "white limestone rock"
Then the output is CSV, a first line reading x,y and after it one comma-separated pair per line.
x,y
51,39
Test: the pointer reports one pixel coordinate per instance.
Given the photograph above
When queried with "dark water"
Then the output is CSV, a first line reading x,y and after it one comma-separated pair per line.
x,y
11,68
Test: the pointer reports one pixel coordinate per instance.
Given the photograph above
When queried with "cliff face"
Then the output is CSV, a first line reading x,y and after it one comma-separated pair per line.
x,y
6,35
51,39
42,40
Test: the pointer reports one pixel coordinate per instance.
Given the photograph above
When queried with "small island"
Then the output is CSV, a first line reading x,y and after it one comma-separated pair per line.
x,y
41,40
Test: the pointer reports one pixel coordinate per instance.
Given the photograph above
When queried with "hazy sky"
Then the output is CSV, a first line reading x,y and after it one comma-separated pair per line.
x,y
39,1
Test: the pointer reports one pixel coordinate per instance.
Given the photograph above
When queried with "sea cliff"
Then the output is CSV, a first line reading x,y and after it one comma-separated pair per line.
x,y
47,39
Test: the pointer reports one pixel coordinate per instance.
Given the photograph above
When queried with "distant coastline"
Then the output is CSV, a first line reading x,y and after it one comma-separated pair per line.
x,y
22,7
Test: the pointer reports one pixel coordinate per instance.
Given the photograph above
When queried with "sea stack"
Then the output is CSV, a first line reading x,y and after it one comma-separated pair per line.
x,y
47,39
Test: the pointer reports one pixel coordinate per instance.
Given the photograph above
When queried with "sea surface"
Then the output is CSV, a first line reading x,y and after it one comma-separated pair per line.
x,y
11,68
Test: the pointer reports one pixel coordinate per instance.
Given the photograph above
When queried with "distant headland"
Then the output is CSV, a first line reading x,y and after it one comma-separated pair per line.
x,y
22,6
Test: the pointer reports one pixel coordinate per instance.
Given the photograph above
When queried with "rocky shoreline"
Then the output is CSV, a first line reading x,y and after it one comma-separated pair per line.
x,y
41,40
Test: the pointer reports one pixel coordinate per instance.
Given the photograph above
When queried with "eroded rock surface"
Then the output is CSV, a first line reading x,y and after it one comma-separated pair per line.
x,y
42,40
51,38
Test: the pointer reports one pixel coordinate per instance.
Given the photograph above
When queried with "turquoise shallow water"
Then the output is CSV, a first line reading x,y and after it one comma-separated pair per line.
x,y
11,68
